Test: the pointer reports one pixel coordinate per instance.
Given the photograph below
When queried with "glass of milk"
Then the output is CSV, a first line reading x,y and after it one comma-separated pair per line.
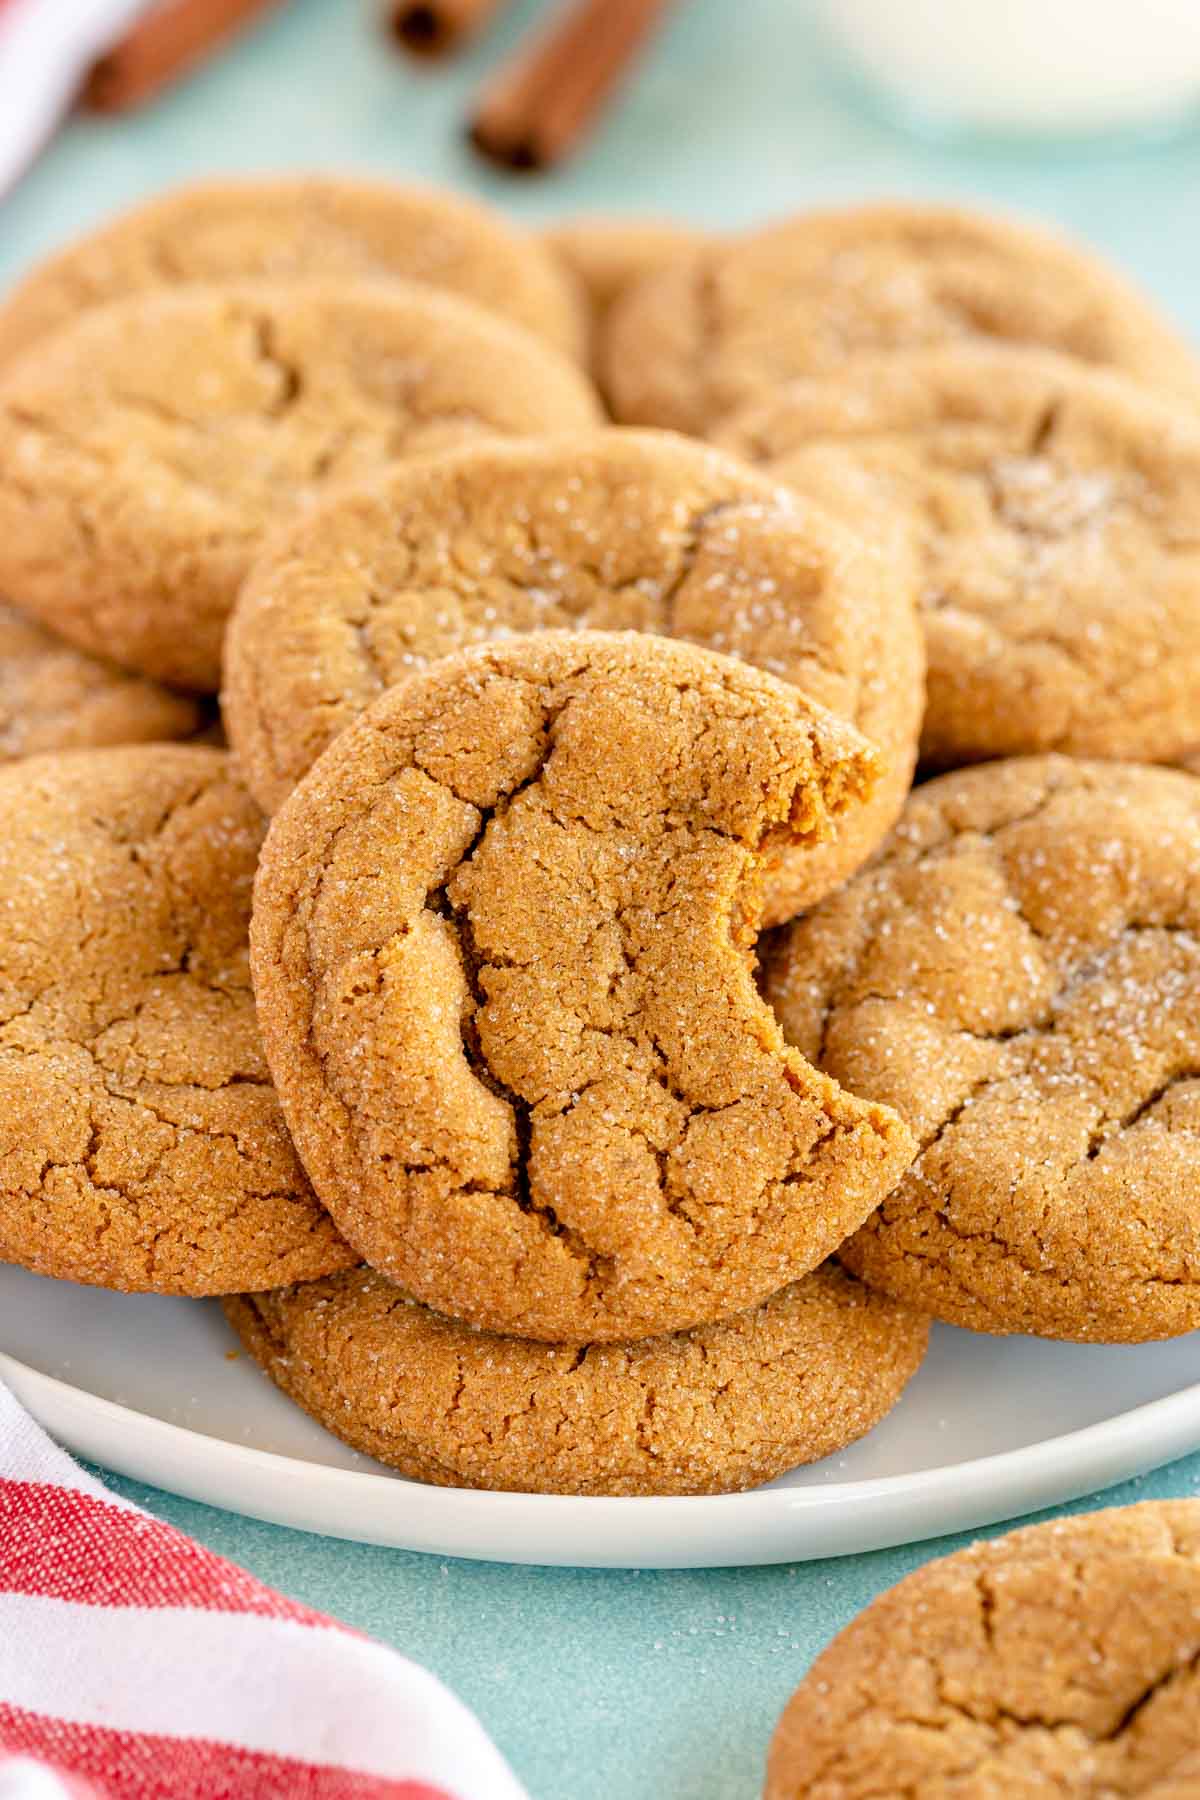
x,y
1027,66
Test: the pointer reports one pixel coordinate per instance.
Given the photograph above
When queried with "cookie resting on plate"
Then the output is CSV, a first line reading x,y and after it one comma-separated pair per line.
x,y
710,1411
612,530
148,447
54,697
141,1144
688,346
1051,510
1018,974
297,228
502,948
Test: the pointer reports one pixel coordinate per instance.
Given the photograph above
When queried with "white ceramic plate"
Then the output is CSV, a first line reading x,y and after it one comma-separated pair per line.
x,y
990,1428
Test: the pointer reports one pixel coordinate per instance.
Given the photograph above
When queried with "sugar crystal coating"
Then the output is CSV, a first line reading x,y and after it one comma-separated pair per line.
x,y
612,530
1051,509
1062,1660
143,1145
1018,973
296,228
148,447
502,947
713,1410
689,346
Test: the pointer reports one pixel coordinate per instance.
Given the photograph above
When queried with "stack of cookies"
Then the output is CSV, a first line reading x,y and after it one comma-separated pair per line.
x,y
601,1069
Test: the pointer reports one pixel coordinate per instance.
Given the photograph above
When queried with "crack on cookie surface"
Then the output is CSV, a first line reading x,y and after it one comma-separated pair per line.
x,y
145,1147
1042,1037
718,1408
1036,494
168,466
1061,1659
298,229
619,531
729,325
545,1009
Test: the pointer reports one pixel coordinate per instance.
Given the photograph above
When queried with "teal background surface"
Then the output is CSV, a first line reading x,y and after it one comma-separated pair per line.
x,y
600,1685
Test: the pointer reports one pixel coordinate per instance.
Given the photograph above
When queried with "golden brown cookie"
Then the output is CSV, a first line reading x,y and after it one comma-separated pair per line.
x,y
54,697
1061,1661
1018,973
502,950
1051,508
141,1144
692,344
616,530
709,1411
147,449
606,256
294,227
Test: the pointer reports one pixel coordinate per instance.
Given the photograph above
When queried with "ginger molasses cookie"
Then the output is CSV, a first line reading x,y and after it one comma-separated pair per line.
x,y
1062,1659
147,449
617,530
709,1411
54,697
725,327
1018,974
606,256
141,1144
291,228
1051,509
502,949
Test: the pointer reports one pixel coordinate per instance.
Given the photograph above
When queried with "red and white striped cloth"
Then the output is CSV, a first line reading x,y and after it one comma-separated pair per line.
x,y
136,1665
46,48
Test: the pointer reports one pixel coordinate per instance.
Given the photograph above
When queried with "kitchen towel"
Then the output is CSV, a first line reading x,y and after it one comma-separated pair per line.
x,y
136,1665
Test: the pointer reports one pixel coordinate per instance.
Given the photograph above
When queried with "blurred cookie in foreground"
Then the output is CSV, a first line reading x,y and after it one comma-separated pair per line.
x,y
612,531
289,228
1018,974
142,1148
502,948
147,448
54,697
692,344
710,1411
1062,1659
1051,509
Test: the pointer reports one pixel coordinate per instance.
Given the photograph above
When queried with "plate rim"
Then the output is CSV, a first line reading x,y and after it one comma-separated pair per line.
x,y
672,1531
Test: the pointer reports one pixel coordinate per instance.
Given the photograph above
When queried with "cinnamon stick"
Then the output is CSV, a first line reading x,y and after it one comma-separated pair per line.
x,y
162,46
543,102
438,27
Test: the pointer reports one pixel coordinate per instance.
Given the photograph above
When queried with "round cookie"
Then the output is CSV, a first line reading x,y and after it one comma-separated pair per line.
x,y
1062,1660
143,1147
606,256
1018,973
711,1411
502,950
1051,511
690,345
54,697
147,449
614,531
291,228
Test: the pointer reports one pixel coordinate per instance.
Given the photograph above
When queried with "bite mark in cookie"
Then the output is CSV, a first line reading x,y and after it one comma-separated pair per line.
x,y
502,952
